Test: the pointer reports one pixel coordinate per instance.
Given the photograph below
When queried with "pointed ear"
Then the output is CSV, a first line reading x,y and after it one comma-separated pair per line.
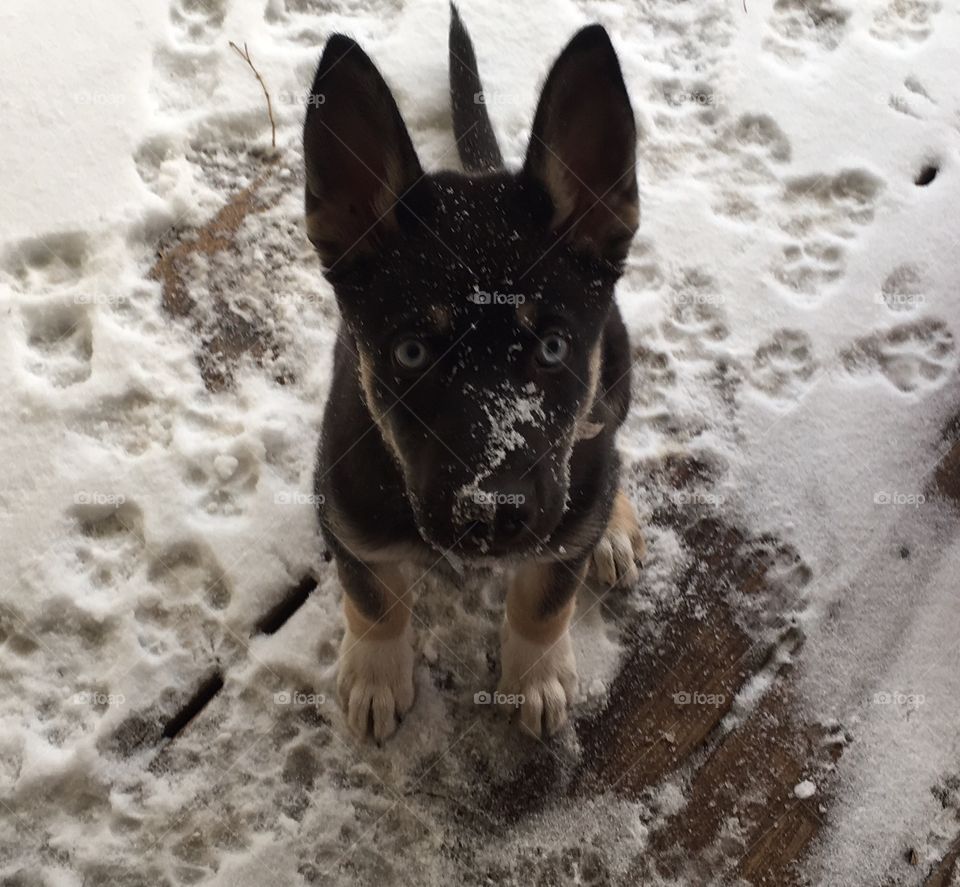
x,y
583,148
358,155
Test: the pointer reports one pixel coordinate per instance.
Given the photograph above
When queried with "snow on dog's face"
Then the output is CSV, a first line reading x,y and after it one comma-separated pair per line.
x,y
476,304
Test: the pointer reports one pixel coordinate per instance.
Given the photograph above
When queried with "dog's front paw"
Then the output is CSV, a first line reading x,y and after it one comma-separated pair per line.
x,y
621,547
541,678
375,682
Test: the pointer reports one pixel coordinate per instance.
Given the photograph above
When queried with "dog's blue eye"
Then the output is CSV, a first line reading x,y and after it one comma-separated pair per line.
x,y
410,354
553,350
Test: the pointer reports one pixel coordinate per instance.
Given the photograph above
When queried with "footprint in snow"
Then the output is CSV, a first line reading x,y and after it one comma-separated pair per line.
x,y
309,22
59,343
903,288
911,356
918,96
197,22
696,322
820,214
50,263
225,479
905,22
784,364
752,147
109,536
800,30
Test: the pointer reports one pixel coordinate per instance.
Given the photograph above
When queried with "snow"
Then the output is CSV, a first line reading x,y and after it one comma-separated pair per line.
x,y
795,294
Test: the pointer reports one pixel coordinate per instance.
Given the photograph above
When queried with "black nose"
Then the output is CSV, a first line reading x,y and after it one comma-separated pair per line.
x,y
499,519
512,520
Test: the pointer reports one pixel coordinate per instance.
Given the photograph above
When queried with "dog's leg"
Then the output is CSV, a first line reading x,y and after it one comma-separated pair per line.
x,y
621,547
375,681
537,661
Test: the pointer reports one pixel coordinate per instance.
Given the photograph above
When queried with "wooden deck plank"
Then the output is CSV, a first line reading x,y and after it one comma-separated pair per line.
x,y
947,872
742,817
946,476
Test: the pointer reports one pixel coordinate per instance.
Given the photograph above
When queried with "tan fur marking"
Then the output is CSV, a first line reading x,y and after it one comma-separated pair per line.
x,y
584,428
527,315
621,547
337,236
441,319
558,186
329,236
386,193
524,604
623,519
594,217
317,231
396,601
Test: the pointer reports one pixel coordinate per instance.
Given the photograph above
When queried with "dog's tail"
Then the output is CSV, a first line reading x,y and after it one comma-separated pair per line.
x,y
476,140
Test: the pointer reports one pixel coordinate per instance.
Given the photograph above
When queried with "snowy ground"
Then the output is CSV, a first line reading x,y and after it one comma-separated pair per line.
x,y
794,302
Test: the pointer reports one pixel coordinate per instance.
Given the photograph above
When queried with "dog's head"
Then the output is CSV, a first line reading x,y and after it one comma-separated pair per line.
x,y
476,304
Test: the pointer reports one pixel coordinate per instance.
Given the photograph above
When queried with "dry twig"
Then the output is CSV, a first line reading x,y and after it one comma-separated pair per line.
x,y
245,55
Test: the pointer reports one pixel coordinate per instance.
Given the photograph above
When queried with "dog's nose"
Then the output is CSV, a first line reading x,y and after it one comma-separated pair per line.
x,y
502,519
512,520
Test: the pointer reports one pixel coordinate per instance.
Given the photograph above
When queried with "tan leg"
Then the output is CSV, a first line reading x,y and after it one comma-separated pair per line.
x,y
538,668
375,680
621,547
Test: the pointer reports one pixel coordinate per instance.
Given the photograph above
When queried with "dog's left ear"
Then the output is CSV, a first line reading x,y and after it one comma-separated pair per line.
x,y
583,148
359,158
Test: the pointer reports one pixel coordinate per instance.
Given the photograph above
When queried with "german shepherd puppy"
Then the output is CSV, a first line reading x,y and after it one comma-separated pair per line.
x,y
481,368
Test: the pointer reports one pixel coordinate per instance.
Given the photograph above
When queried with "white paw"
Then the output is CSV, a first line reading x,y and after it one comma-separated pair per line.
x,y
375,682
544,675
616,555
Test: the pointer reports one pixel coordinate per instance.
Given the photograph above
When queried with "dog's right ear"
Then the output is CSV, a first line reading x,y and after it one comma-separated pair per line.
x,y
358,155
583,148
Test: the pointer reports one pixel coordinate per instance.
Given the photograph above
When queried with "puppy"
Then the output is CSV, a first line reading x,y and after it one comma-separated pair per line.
x,y
481,368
